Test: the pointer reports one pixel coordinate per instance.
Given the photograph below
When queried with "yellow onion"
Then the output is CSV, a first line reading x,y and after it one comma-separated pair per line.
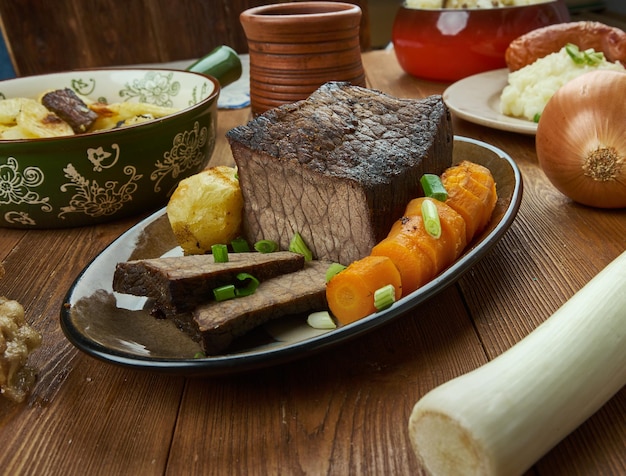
x,y
581,139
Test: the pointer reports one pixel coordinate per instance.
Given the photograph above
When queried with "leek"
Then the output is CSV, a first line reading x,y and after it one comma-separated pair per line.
x,y
240,245
502,417
266,246
297,245
251,283
430,216
321,320
433,187
384,297
224,293
333,269
220,253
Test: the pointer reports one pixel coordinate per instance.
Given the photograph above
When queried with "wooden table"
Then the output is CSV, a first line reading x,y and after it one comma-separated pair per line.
x,y
344,411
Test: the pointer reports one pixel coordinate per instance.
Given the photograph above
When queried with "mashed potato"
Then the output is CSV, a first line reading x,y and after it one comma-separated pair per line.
x,y
469,3
530,88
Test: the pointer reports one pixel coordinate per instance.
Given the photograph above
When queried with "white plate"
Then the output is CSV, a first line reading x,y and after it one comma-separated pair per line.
x,y
119,329
477,99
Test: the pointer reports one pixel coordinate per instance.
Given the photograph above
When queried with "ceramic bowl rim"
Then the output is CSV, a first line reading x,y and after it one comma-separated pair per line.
x,y
475,10
165,119
265,13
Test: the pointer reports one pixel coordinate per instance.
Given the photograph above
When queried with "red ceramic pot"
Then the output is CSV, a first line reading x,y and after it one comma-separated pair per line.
x,y
296,47
450,44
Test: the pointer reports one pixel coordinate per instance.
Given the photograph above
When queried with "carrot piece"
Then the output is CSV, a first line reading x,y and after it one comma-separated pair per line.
x,y
453,229
468,206
415,266
472,193
480,182
350,293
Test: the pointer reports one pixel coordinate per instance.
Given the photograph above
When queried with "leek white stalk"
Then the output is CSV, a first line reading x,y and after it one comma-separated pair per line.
x,y
502,417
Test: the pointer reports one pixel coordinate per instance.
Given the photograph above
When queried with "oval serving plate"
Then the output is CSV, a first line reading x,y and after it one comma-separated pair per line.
x,y
119,329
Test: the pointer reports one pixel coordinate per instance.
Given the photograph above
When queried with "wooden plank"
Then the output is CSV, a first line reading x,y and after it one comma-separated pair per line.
x,y
114,412
344,411
44,37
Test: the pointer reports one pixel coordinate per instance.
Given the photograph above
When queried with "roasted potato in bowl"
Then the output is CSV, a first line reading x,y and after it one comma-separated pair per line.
x,y
206,209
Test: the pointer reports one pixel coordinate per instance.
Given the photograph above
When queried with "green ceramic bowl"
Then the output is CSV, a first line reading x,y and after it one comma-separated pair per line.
x,y
101,176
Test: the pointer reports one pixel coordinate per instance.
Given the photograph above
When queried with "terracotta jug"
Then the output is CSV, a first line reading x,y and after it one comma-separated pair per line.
x,y
296,47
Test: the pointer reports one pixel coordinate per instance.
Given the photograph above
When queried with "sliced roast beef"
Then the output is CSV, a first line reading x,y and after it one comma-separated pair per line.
x,y
339,167
216,324
178,284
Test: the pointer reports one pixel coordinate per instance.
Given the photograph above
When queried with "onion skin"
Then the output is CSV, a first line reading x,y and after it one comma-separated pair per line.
x,y
581,139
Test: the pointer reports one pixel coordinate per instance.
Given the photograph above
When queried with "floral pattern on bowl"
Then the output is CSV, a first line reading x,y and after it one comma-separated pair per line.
x,y
95,177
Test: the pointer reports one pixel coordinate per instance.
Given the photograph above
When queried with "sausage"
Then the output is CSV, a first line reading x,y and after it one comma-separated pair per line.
x,y
538,43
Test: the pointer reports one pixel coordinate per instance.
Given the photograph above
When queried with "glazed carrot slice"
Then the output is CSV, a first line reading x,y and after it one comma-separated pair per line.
x,y
416,267
453,229
472,193
480,182
350,293
468,206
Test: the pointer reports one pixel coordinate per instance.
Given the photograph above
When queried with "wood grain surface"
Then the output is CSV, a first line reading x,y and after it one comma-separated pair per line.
x,y
344,411
46,37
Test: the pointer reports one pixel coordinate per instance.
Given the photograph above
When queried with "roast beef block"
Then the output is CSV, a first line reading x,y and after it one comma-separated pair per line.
x,y
215,324
178,284
338,167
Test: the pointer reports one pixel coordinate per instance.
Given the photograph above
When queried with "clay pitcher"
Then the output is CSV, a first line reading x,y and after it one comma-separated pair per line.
x,y
296,47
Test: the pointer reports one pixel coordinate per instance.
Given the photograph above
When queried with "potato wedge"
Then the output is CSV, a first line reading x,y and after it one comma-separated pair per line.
x,y
206,209
110,115
37,121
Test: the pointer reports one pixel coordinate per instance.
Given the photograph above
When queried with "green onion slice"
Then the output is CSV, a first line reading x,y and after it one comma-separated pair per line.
x,y
297,245
321,320
384,297
199,355
333,269
251,283
224,293
220,253
240,245
266,246
433,187
589,57
430,215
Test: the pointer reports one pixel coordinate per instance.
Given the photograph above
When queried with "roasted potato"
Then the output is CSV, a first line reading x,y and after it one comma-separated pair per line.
x,y
206,209
23,118
126,113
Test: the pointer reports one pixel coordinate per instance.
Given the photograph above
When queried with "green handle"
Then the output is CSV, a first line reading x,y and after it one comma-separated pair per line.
x,y
222,63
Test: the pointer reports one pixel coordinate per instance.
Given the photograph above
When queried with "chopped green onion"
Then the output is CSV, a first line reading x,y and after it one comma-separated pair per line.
x,y
266,246
384,297
433,187
536,117
589,57
220,253
321,320
240,245
430,215
224,293
297,245
574,52
333,269
251,284
592,57
199,355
